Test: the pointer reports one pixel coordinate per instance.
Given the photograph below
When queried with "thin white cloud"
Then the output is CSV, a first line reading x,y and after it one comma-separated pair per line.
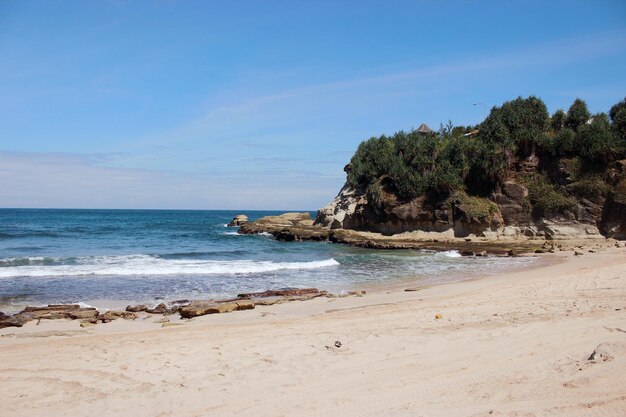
x,y
58,180
292,108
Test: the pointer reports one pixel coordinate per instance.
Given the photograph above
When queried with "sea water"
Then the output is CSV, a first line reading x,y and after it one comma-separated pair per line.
x,y
148,256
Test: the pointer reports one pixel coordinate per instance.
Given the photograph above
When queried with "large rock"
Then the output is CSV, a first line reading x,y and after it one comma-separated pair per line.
x,y
51,312
238,220
288,292
341,209
382,212
201,308
613,222
111,315
17,320
60,311
287,227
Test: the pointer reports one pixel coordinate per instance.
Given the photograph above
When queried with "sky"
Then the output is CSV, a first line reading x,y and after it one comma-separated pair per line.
x,y
259,105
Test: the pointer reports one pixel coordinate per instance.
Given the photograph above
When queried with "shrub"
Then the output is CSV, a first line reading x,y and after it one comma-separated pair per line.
x,y
557,122
518,125
618,118
477,207
577,115
545,196
591,187
596,141
372,159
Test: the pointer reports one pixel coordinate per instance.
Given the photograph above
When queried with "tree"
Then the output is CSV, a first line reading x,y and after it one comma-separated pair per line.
x,y
372,159
596,141
577,115
618,118
557,122
517,126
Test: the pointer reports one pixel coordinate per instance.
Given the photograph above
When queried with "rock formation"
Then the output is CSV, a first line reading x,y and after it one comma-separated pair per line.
x,y
238,220
507,214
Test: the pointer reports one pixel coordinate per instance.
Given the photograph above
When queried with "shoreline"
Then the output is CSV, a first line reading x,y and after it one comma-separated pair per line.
x,y
513,344
392,284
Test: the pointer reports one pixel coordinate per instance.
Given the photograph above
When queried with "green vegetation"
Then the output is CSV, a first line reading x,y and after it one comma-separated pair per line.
x,y
454,161
591,187
545,196
476,207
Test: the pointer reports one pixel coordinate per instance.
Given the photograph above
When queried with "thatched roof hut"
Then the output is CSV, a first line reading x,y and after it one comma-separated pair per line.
x,y
424,128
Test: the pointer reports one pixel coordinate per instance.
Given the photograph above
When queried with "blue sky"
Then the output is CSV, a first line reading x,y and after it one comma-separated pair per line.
x,y
259,105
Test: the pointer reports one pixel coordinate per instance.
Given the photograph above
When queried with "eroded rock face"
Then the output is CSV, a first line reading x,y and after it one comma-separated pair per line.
x,y
238,220
342,209
512,218
358,210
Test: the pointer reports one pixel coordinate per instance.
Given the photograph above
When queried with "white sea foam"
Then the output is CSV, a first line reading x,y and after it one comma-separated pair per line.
x,y
152,265
231,234
450,254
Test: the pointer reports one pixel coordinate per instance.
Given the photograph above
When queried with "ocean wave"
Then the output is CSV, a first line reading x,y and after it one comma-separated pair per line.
x,y
203,254
449,254
133,265
19,235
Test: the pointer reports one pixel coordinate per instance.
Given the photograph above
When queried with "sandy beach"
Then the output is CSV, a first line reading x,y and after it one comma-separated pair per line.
x,y
516,344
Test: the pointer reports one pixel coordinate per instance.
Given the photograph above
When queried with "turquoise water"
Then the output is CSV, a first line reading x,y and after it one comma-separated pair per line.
x,y
97,256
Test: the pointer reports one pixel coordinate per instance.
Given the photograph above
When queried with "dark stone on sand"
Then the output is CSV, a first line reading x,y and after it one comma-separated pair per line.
x,y
17,320
160,309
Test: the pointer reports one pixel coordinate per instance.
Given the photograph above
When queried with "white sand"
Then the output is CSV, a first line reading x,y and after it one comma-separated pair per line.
x,y
512,345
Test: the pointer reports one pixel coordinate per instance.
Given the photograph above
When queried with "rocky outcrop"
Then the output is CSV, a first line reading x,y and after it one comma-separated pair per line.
x,y
342,211
238,220
356,209
506,214
187,309
63,311
287,227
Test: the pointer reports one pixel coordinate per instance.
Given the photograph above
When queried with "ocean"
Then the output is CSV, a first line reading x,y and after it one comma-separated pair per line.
x,y
107,257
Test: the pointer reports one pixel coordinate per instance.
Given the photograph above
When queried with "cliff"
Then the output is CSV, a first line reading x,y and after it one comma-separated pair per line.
x,y
508,212
519,178
519,174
